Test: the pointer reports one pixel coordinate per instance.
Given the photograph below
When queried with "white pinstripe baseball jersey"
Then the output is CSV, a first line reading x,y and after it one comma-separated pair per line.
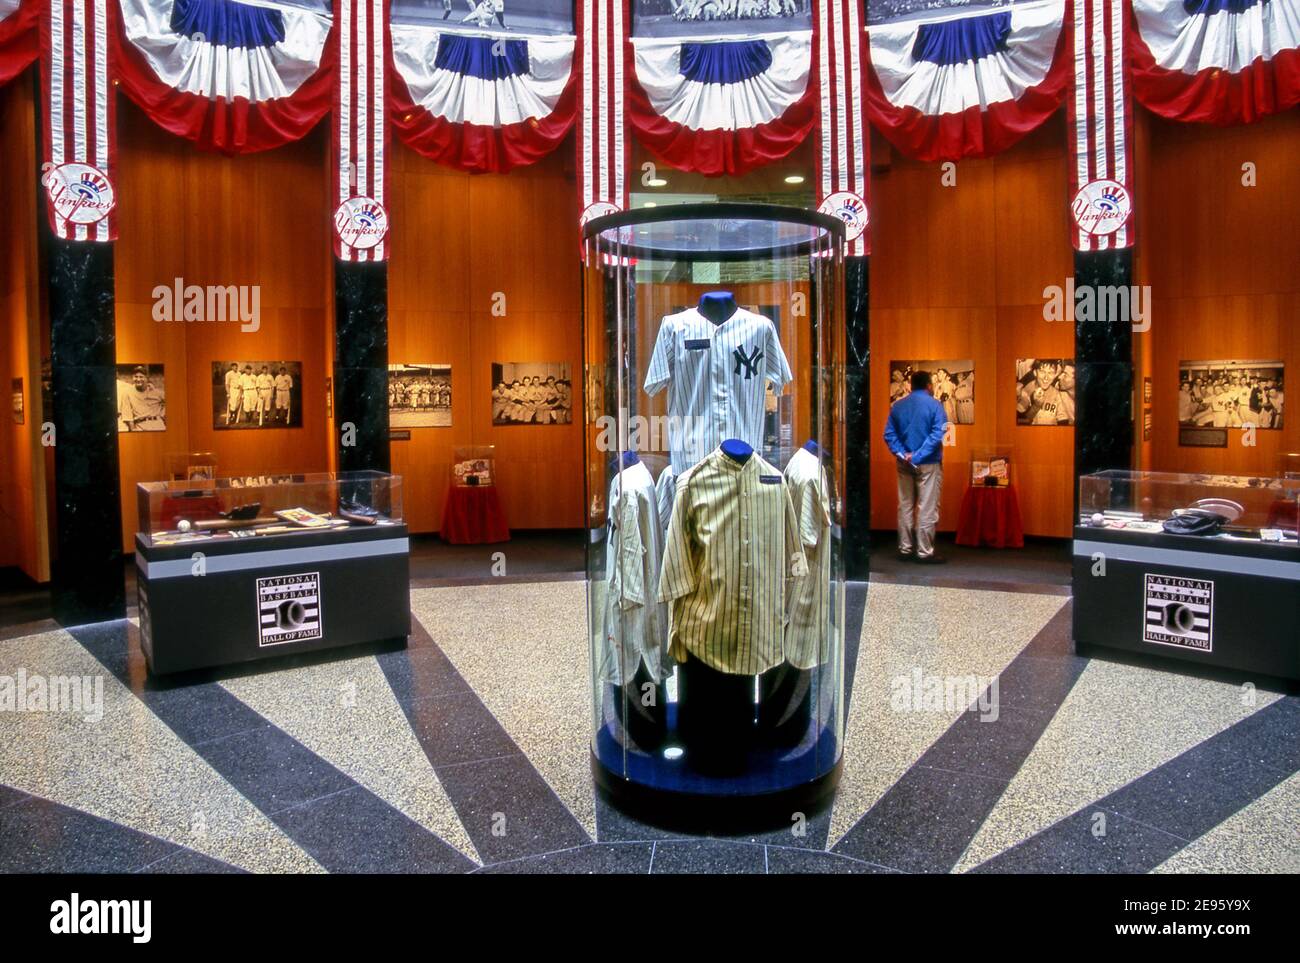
x,y
808,630
716,376
665,490
730,563
635,621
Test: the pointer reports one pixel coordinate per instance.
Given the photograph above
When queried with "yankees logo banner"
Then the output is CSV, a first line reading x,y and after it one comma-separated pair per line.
x,y
843,138
968,85
1215,61
78,120
486,91
360,132
19,44
602,145
1101,129
722,86
232,77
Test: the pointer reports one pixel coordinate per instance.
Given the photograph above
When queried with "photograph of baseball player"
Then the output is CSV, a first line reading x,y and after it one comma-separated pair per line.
x,y
1045,391
141,398
1230,394
531,393
953,383
256,394
419,395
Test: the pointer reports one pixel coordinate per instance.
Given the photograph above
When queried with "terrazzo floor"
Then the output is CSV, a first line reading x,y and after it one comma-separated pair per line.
x,y
467,751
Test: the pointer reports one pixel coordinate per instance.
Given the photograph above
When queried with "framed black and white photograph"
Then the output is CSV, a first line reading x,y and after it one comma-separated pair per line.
x,y
419,395
494,17
679,18
1230,394
141,398
256,394
1045,391
953,384
531,393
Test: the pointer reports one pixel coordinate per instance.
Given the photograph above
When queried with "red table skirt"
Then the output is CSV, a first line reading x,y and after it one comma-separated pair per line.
x,y
990,517
1283,514
472,515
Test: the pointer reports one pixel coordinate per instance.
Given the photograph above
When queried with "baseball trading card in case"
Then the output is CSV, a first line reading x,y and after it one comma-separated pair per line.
x,y
1190,568
714,487
241,568
991,466
474,465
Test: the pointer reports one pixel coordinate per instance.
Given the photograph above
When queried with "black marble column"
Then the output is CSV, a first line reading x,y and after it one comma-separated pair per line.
x,y
857,432
361,366
87,572
1103,354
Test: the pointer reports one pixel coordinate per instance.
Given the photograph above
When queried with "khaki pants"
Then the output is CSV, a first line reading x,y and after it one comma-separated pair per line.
x,y
919,492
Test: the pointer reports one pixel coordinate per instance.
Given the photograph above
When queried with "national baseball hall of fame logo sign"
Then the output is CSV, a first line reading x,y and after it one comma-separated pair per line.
x,y
849,208
288,609
1179,612
79,193
361,222
1101,207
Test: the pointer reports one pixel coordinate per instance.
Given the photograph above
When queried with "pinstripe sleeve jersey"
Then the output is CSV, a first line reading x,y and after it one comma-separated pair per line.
x,y
665,489
716,377
731,560
634,620
808,630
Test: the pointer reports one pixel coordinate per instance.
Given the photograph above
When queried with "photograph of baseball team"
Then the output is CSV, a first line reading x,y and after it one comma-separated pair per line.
x,y
953,384
1230,394
1044,391
256,394
659,16
531,393
419,395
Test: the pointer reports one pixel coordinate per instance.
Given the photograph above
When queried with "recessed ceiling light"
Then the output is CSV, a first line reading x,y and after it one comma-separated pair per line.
x,y
794,179
649,204
656,182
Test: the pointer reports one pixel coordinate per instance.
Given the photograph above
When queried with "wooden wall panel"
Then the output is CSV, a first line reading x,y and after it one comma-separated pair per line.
x,y
208,219
958,272
458,242
1224,274
24,536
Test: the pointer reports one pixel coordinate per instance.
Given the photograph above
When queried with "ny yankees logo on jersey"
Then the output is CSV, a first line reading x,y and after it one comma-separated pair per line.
x,y
748,362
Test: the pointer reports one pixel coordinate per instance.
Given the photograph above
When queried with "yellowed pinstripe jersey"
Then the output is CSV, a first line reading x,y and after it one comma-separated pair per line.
x,y
808,630
731,560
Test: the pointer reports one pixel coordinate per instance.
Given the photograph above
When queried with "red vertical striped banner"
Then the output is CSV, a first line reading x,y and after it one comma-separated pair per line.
x,y
1101,128
843,137
78,116
602,27
360,131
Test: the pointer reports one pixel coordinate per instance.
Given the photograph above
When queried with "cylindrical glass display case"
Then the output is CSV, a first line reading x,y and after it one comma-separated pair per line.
x,y
713,346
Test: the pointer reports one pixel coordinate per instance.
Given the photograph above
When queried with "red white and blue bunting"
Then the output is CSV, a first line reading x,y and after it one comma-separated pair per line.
x,y
843,137
1216,61
359,133
1101,129
969,85
19,43
234,77
725,105
78,115
481,102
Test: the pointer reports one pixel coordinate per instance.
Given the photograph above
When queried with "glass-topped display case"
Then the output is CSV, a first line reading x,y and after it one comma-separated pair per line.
x,y
260,506
1233,507
713,346
236,569
1190,569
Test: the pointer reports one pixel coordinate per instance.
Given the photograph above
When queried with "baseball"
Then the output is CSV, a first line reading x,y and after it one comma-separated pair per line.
x,y
1097,518
183,525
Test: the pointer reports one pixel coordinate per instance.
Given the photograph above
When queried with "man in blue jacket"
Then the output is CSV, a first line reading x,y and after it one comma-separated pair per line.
x,y
914,433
